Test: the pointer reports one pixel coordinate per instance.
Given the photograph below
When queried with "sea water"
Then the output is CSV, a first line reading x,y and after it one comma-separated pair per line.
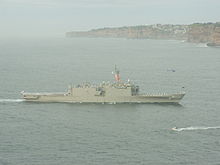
x,y
97,134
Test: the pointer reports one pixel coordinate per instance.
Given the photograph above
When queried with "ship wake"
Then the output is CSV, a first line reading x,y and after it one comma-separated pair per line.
x,y
202,46
194,128
11,100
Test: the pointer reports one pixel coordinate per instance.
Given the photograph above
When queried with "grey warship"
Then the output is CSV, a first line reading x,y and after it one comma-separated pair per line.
x,y
106,92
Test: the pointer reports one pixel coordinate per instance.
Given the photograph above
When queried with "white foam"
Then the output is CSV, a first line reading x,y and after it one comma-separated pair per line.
x,y
11,100
202,46
194,128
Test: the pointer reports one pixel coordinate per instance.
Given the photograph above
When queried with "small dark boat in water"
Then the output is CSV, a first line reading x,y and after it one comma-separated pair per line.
x,y
212,44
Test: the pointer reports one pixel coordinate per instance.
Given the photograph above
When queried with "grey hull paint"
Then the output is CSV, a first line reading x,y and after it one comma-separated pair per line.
x,y
172,98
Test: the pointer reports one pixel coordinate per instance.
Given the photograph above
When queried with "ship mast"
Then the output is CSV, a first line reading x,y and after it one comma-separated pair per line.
x,y
117,75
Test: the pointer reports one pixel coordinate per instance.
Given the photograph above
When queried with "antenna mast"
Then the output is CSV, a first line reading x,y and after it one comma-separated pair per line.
x,y
117,75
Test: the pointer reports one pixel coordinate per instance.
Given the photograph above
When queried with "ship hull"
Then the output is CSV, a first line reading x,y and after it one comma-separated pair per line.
x,y
172,98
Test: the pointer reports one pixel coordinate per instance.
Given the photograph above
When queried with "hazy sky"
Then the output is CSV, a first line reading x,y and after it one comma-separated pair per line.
x,y
55,17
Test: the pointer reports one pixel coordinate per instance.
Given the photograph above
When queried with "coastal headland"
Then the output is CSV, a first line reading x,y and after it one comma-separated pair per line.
x,y
197,33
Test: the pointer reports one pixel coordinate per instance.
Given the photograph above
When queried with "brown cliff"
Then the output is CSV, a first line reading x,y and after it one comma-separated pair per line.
x,y
198,32
215,37
201,33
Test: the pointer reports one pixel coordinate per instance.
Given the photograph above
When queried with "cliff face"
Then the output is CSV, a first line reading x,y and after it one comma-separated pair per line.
x,y
152,31
216,36
200,33
209,32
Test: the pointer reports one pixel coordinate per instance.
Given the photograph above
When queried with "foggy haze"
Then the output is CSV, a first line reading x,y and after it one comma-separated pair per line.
x,y
27,18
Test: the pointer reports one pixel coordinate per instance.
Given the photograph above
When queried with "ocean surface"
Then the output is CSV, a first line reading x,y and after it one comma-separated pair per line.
x,y
105,134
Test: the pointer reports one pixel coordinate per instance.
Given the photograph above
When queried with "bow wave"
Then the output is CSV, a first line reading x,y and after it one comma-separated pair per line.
x,y
11,100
